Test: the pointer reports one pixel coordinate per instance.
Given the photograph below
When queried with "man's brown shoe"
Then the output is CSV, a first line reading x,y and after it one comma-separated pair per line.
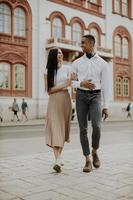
x,y
57,168
88,167
96,160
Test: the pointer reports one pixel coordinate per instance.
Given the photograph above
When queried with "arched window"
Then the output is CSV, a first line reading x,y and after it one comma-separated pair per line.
x,y
57,28
117,6
118,86
76,32
19,77
5,18
19,22
118,46
125,87
122,87
4,76
124,7
125,48
95,33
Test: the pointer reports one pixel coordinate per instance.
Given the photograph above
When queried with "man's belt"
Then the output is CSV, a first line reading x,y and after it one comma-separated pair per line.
x,y
89,91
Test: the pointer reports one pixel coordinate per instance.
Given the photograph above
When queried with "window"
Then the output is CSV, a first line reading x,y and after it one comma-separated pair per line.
x,y
4,76
76,32
94,32
117,6
124,7
19,77
122,87
126,87
5,18
19,22
118,46
121,47
57,28
125,48
118,86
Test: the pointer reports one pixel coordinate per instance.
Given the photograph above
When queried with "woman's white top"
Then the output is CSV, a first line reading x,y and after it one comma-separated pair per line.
x,y
63,73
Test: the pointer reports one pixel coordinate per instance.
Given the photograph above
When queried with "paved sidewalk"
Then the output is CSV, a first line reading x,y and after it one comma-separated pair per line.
x,y
30,177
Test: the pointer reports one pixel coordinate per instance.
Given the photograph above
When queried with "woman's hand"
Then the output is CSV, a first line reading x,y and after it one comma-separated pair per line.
x,y
68,83
59,88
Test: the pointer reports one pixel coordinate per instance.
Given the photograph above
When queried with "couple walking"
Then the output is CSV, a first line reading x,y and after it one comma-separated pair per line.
x,y
89,75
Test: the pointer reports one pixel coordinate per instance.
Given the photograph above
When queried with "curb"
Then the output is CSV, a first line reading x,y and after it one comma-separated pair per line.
x,y
42,122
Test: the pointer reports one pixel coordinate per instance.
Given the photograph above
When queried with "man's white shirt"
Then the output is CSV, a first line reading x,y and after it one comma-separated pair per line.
x,y
94,69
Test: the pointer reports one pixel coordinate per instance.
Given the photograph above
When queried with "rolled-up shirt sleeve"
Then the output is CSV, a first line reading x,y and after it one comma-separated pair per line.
x,y
105,86
75,83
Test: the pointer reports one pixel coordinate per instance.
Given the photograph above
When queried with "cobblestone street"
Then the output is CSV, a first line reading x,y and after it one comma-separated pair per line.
x,y
30,177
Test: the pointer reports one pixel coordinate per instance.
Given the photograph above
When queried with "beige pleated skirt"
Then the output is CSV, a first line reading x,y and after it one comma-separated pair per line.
x,y
58,119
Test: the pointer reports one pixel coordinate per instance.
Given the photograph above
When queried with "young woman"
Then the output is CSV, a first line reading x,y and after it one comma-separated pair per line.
x,y
57,77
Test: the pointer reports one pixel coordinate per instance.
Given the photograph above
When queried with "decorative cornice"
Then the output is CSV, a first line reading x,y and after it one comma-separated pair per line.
x,y
124,72
79,7
12,58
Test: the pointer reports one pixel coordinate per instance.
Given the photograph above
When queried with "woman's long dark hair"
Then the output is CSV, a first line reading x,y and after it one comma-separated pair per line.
x,y
51,67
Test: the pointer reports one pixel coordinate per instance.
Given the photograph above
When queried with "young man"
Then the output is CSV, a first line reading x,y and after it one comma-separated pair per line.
x,y
92,73
1,111
128,109
15,109
24,108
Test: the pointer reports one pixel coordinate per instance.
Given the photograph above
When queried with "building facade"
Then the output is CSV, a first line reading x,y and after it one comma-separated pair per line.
x,y
29,28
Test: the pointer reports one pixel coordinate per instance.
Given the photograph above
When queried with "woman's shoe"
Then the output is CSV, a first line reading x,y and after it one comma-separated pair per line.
x,y
57,168
57,165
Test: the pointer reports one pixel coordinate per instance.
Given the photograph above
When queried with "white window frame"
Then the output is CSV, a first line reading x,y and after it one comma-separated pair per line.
x,y
117,6
118,86
124,7
125,48
57,28
125,87
76,32
19,78
19,22
4,75
95,33
118,46
5,18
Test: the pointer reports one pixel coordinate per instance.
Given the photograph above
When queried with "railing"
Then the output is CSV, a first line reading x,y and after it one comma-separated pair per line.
x,y
74,43
12,40
104,49
63,41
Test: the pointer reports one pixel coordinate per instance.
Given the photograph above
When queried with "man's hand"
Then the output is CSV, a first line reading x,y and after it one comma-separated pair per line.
x,y
104,113
88,84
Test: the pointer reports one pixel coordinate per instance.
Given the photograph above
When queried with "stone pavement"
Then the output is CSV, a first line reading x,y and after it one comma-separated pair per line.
x,y
30,177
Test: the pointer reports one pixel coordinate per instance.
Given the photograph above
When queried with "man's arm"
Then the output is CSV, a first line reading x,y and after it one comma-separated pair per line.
x,y
76,83
105,90
74,75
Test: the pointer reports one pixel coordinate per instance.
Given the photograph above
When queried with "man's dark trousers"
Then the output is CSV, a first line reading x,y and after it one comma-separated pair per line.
x,y
89,102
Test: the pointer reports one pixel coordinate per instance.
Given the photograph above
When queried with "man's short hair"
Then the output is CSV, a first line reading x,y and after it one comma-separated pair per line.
x,y
90,37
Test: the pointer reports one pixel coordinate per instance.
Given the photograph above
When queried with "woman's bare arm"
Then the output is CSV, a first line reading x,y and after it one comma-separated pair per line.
x,y
60,88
